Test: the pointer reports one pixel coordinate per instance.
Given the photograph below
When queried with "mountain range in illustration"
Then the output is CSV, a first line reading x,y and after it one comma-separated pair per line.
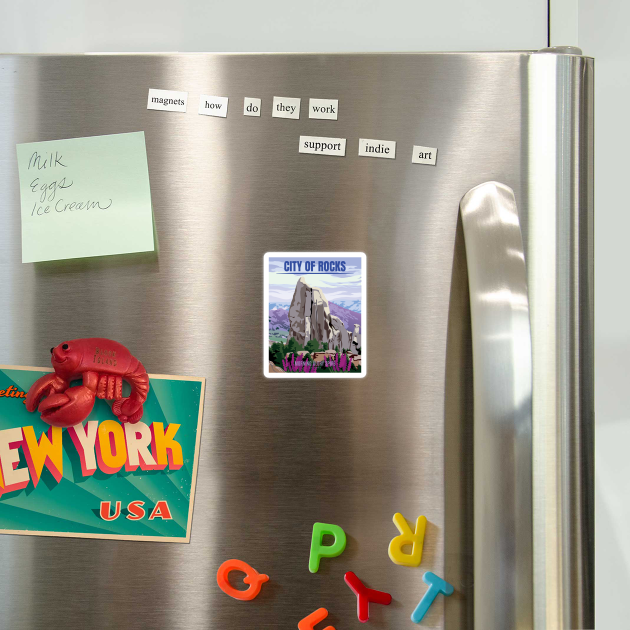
x,y
279,315
311,317
350,305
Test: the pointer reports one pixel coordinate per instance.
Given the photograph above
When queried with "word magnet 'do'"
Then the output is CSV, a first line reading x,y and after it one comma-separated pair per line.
x,y
407,537
319,551
252,577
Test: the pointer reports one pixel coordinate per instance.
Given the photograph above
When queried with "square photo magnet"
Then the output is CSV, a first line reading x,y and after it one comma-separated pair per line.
x,y
314,315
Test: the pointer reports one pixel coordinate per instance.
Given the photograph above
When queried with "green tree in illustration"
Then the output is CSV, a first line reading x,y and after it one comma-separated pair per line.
x,y
276,353
292,346
312,346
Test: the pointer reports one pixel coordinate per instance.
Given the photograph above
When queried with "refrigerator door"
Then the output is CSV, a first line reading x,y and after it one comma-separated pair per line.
x,y
279,455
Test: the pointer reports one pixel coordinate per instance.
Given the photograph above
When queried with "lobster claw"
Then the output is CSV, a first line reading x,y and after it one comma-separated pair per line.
x,y
128,410
68,408
43,386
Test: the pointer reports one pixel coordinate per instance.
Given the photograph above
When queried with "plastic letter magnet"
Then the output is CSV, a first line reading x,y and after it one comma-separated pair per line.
x,y
436,586
252,577
308,623
319,551
365,596
407,537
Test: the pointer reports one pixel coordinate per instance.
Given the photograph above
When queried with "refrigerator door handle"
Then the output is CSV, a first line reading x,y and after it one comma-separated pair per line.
x,y
502,374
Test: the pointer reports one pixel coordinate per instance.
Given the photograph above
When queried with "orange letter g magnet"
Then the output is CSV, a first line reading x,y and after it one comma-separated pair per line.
x,y
252,577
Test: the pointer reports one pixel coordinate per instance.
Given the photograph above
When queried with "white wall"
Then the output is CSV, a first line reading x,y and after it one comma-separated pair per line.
x,y
270,25
604,29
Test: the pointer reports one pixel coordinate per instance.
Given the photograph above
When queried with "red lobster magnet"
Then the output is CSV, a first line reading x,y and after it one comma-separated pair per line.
x,y
103,364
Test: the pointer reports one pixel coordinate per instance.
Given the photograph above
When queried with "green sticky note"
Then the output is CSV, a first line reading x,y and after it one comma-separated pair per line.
x,y
85,197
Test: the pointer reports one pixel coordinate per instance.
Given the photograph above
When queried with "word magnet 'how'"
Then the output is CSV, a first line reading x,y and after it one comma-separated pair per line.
x,y
309,623
252,577
407,537
436,586
319,551
365,595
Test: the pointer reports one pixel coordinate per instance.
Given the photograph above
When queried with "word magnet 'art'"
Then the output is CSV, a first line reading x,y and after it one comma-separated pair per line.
x,y
314,315
98,448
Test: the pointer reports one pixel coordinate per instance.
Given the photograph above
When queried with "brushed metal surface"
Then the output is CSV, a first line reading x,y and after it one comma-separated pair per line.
x,y
560,276
275,455
502,369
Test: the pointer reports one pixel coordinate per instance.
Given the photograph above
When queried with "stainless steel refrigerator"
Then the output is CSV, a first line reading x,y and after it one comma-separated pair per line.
x,y
477,407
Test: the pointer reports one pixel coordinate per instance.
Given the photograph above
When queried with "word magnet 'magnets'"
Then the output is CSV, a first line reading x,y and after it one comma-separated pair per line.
x,y
319,550
407,537
252,577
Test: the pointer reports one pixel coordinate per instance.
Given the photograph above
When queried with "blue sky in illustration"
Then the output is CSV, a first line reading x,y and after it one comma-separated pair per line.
x,y
337,287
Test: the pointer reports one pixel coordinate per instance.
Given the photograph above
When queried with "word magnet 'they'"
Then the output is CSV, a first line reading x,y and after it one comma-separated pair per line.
x,y
407,537
319,550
